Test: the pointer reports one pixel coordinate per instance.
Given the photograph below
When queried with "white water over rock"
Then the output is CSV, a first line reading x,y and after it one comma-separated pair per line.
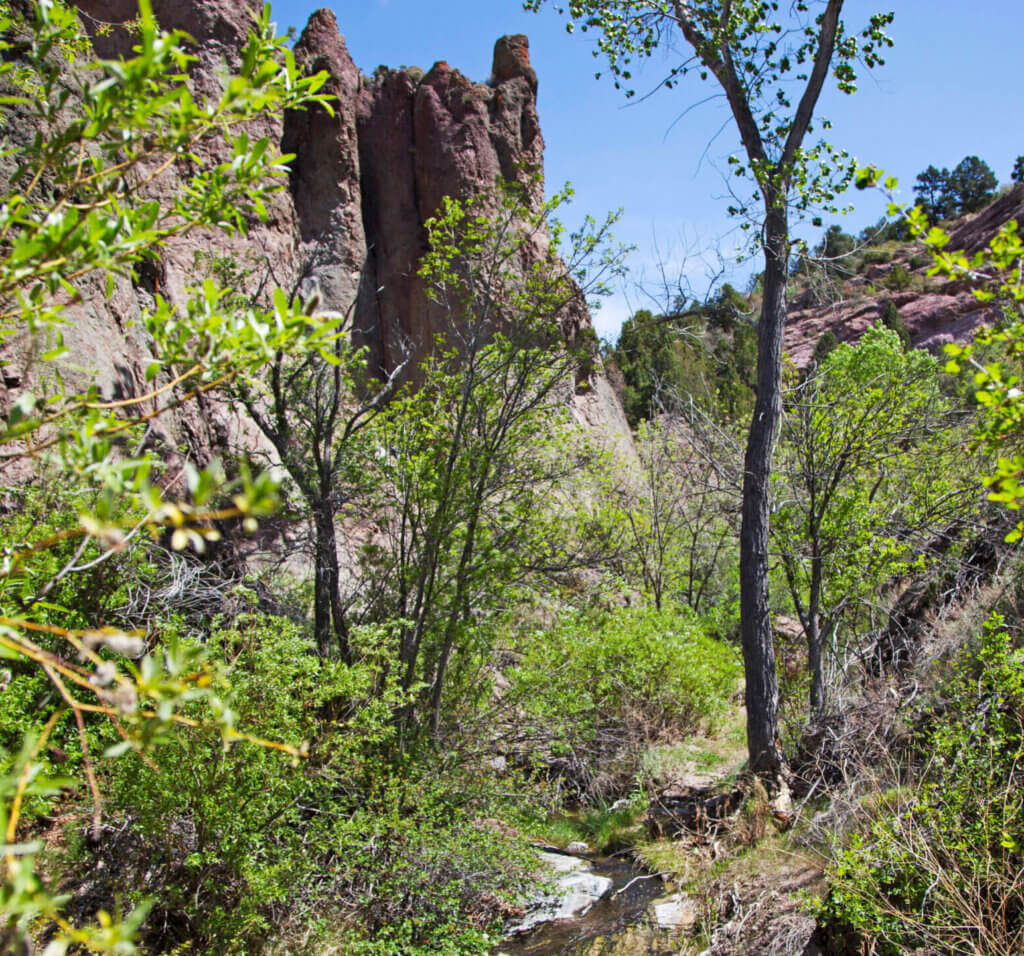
x,y
575,891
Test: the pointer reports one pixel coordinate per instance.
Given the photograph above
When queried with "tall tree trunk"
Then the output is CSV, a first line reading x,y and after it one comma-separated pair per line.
x,y
762,685
815,657
328,614
815,638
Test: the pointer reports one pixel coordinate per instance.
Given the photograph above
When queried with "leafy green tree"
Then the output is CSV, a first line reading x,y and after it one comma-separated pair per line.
x,y
973,184
469,459
884,230
866,468
645,356
1017,175
997,272
835,248
945,194
313,409
80,204
823,269
705,353
734,352
753,56
934,193
659,355
836,243
998,382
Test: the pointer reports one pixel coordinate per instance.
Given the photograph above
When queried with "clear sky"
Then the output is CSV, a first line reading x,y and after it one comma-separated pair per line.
x,y
952,86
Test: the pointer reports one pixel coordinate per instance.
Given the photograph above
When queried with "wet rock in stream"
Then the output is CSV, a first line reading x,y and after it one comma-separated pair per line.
x,y
576,889
676,912
622,923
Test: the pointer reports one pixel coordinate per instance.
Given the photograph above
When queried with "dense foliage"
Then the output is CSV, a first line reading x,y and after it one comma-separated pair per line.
x,y
706,354
867,475
499,617
941,863
600,687
78,210
380,834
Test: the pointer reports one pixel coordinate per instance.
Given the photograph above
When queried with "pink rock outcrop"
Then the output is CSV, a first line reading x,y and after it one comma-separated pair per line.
x,y
325,181
365,178
937,313
422,138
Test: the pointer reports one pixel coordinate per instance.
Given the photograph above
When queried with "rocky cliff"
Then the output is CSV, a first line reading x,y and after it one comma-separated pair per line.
x,y
935,311
363,182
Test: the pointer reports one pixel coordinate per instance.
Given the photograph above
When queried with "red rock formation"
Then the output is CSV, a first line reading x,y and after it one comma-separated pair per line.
x,y
939,312
512,59
364,180
973,233
421,139
221,22
325,175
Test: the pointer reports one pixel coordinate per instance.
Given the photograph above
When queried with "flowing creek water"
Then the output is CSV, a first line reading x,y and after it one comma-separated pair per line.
x,y
620,924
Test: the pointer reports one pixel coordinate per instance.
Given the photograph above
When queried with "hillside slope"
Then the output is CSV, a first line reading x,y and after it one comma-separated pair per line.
x,y
935,310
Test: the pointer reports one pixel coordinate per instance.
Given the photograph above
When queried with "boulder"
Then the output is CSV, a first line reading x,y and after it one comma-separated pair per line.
x,y
576,889
677,913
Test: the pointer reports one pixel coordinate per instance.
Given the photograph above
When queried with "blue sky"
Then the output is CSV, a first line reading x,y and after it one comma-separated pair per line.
x,y
952,86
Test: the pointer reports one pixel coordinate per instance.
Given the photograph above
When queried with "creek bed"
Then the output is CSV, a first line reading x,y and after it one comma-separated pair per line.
x,y
622,908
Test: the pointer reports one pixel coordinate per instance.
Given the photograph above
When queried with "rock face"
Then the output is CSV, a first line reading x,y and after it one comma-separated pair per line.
x,y
512,59
576,889
363,182
422,138
325,175
946,313
676,912
935,311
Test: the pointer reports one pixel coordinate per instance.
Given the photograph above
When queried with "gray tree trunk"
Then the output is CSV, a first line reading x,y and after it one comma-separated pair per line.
x,y
762,684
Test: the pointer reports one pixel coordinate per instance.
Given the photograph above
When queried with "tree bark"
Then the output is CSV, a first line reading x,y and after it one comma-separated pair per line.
x,y
762,685
328,613
815,638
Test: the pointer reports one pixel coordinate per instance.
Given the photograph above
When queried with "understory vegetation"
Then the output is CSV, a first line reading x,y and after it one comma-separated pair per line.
x,y
495,629
937,862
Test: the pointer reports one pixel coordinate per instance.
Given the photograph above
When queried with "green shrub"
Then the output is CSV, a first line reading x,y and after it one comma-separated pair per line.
x,y
898,278
600,685
827,341
892,319
431,872
235,846
36,587
874,257
939,868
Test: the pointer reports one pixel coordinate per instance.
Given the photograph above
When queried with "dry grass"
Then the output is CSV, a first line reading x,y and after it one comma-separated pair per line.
x,y
701,759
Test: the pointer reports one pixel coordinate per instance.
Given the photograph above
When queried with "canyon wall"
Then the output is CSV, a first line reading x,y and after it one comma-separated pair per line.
x,y
365,178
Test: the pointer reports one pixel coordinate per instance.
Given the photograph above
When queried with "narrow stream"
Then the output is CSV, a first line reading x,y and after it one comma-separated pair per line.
x,y
621,909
